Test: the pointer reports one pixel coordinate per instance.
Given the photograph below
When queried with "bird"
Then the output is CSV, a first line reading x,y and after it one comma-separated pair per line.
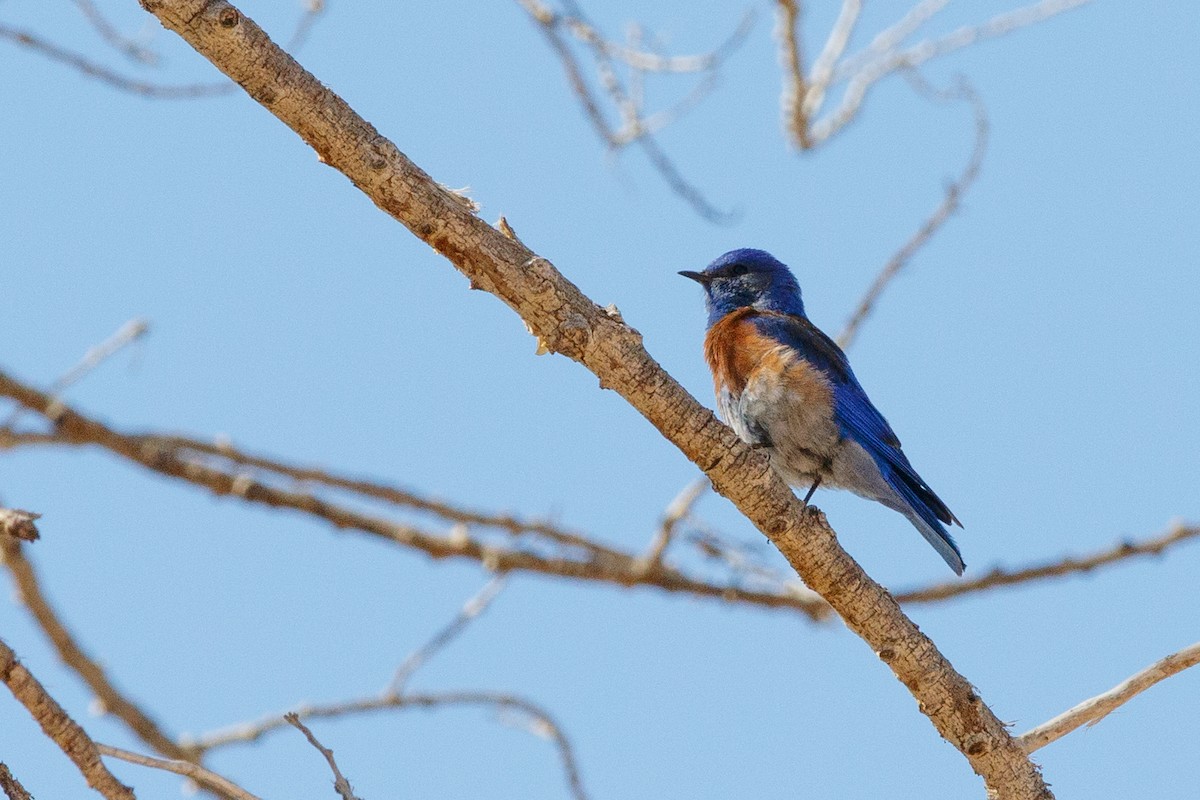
x,y
786,387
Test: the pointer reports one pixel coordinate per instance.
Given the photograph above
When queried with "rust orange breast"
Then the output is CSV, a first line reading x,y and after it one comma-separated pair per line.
x,y
734,348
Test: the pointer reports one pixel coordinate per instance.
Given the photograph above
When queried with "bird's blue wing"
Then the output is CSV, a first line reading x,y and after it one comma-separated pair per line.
x,y
856,416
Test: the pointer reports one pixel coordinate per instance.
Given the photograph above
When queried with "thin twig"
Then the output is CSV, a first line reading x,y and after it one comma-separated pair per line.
x,y
207,779
185,447
546,726
636,125
887,40
795,84
677,511
470,611
870,69
118,41
12,787
340,784
1091,711
112,700
835,46
114,79
128,333
312,10
58,725
951,201
1057,568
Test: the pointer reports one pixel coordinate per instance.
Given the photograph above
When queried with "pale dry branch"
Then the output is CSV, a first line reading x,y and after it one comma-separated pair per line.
x,y
545,725
470,611
111,699
58,726
886,56
745,563
340,784
568,323
636,125
1056,568
1091,711
835,46
203,777
887,40
795,82
128,333
951,201
12,787
676,512
17,524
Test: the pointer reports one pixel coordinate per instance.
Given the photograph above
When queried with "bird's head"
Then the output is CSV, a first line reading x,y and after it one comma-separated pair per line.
x,y
748,278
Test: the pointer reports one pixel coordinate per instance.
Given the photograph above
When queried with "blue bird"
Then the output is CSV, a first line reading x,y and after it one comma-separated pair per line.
x,y
783,385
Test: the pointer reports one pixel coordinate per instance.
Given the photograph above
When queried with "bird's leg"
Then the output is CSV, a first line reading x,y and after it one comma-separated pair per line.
x,y
816,483
826,465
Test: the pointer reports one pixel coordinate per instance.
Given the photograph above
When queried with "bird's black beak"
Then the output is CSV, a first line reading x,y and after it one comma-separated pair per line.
x,y
698,277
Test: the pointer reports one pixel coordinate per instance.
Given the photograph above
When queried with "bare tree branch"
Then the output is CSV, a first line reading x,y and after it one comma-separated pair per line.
x,y
946,209
111,699
209,780
804,93
12,787
59,726
567,322
169,455
141,54
124,83
128,333
795,84
862,73
225,452
541,723
599,563
470,611
636,125
340,784
245,733
835,46
1057,568
1091,711
677,511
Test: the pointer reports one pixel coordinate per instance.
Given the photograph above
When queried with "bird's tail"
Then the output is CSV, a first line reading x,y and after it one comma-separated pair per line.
x,y
927,513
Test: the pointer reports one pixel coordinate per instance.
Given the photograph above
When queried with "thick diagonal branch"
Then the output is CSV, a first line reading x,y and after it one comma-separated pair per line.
x,y
59,726
569,323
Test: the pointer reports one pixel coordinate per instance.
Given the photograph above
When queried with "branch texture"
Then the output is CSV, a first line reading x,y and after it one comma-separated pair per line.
x,y
59,726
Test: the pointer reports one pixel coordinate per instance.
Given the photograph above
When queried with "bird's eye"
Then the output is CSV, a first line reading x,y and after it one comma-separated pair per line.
x,y
737,269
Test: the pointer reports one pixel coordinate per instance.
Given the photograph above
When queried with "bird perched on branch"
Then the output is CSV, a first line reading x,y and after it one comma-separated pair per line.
x,y
783,385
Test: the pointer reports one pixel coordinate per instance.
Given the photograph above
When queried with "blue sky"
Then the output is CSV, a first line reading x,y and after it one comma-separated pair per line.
x,y
1038,359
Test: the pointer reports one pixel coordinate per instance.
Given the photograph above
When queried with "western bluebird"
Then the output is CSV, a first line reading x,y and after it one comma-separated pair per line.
x,y
784,385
